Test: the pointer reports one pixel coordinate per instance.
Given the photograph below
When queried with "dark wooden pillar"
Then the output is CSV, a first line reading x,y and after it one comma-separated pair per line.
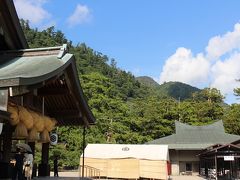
x,y
32,145
45,153
7,135
44,167
216,166
7,143
5,168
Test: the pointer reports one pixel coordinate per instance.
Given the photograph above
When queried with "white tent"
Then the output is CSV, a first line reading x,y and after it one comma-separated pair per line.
x,y
128,161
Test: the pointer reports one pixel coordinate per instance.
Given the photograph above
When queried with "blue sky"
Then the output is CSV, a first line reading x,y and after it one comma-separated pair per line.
x,y
195,42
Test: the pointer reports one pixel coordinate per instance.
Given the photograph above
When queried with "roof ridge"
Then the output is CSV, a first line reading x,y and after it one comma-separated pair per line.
x,y
180,127
64,46
60,51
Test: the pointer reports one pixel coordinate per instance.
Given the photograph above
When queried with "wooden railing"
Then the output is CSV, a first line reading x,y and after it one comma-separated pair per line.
x,y
89,171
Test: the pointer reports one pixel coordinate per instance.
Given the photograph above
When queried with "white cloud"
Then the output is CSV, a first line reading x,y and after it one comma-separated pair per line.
x,y
221,45
184,67
32,10
81,15
225,73
218,66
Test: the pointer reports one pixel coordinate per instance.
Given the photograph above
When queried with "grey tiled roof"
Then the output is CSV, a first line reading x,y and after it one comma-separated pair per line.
x,y
196,137
25,67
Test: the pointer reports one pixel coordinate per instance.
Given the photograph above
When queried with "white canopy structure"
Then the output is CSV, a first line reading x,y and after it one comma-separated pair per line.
x,y
128,161
119,151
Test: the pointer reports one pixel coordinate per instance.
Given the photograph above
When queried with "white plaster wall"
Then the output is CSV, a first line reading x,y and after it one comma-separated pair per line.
x,y
175,167
178,158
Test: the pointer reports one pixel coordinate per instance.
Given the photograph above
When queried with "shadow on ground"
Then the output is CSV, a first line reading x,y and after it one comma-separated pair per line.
x,y
62,178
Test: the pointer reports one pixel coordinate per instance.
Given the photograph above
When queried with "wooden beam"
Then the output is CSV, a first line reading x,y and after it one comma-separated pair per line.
x,y
69,76
64,113
70,122
68,117
52,91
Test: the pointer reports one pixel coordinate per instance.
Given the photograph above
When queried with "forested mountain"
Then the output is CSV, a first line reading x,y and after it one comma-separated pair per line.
x,y
126,110
176,90
148,81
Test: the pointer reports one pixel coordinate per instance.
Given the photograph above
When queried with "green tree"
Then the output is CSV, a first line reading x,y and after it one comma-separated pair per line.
x,y
126,110
232,119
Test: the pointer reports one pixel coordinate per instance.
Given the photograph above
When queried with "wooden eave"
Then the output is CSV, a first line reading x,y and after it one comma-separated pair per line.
x,y
11,32
237,142
56,81
224,149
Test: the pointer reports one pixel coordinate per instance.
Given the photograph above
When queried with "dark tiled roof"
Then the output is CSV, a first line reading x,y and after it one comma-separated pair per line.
x,y
196,137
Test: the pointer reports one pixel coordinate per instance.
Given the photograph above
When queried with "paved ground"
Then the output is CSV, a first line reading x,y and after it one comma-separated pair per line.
x,y
75,176
187,178
62,175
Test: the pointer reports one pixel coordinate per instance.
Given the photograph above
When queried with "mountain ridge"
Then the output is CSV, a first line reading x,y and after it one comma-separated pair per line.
x,y
174,89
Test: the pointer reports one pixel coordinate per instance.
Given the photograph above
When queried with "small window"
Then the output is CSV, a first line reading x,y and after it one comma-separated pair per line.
x,y
188,166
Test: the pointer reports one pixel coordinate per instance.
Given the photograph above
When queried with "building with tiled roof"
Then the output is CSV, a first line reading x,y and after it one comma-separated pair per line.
x,y
188,141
